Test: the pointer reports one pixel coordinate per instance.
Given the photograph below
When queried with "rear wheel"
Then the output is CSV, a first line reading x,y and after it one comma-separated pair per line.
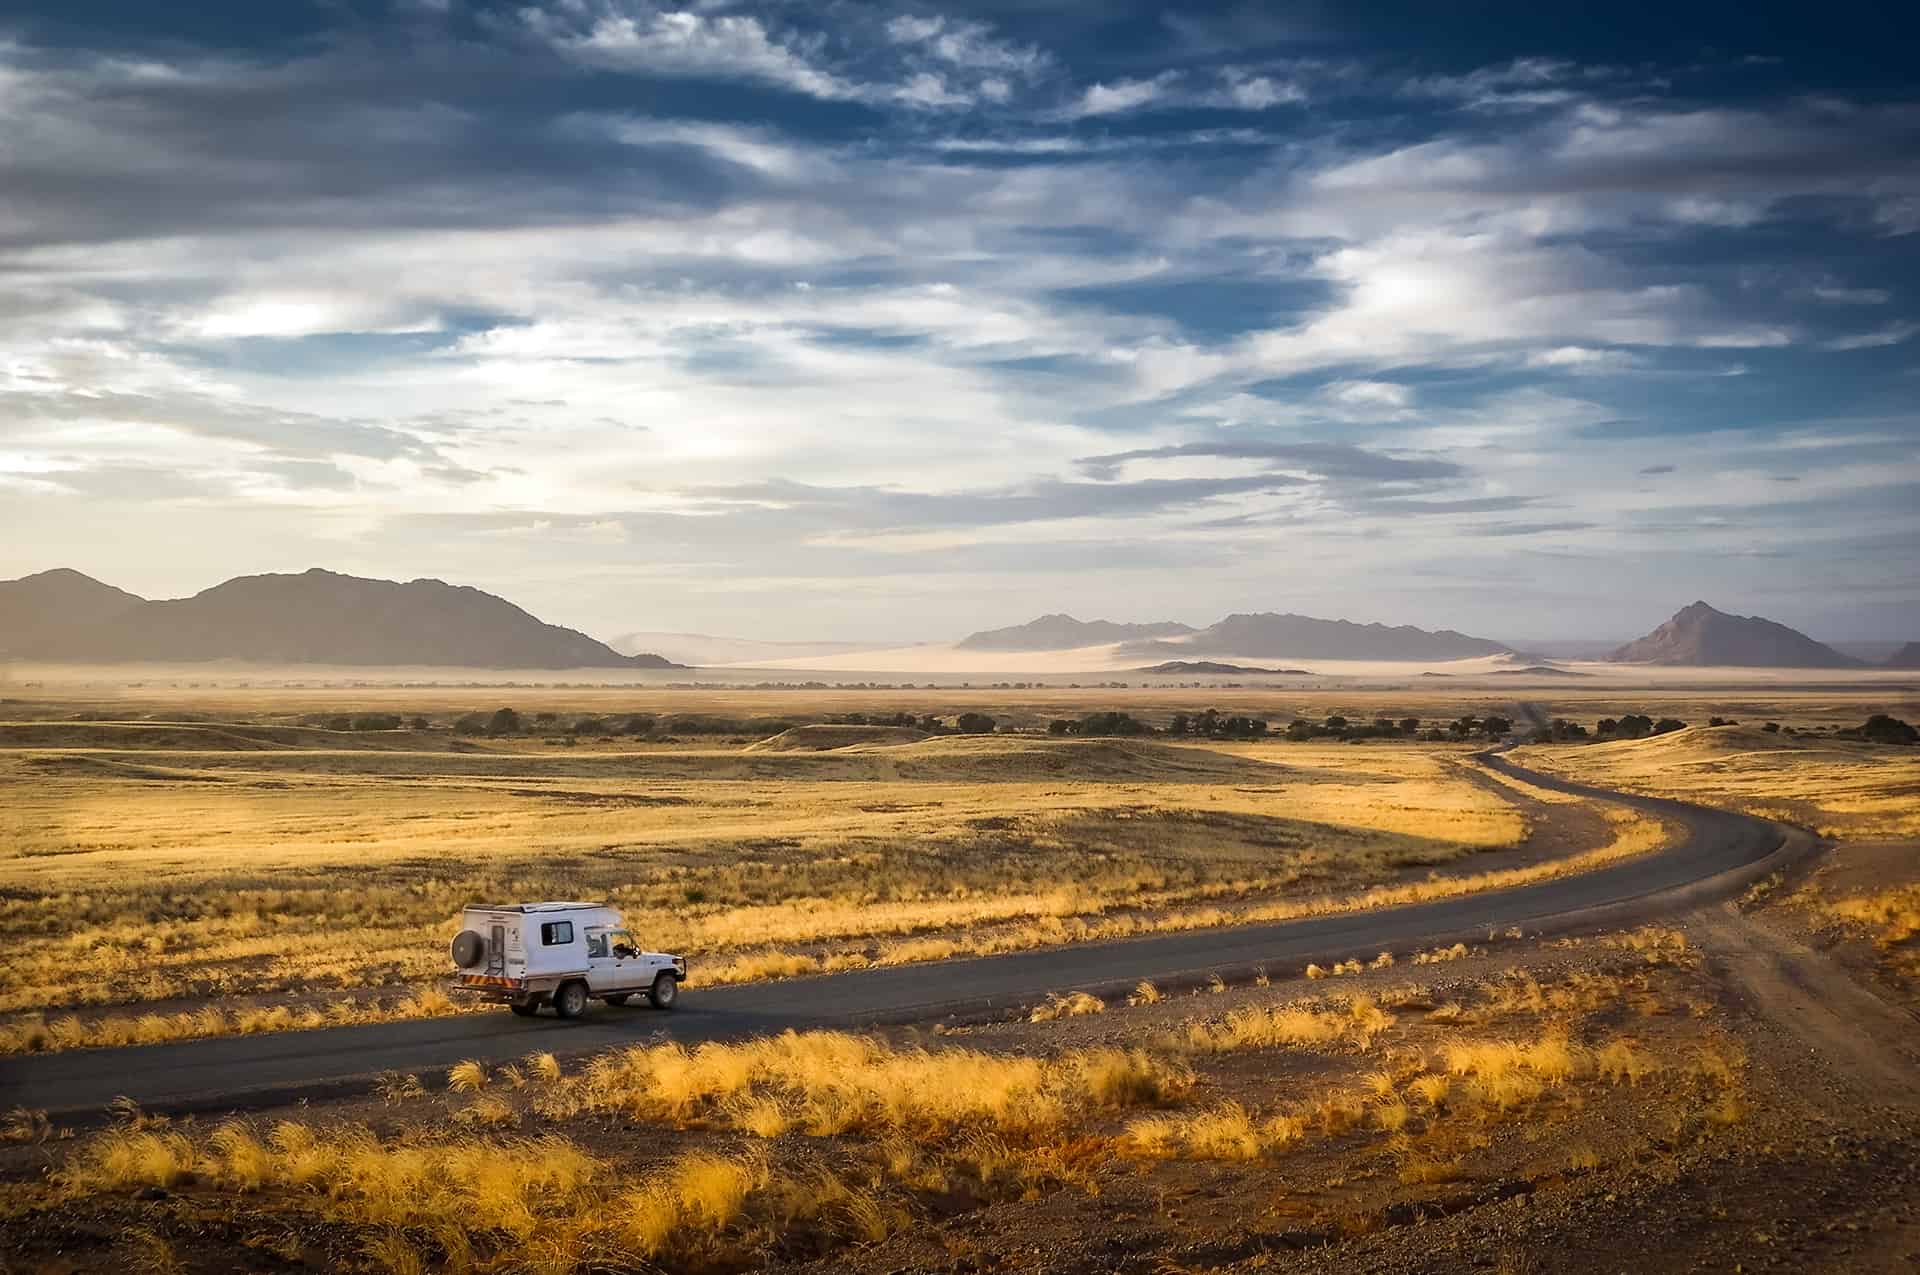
x,y
619,998
526,1008
664,992
571,1000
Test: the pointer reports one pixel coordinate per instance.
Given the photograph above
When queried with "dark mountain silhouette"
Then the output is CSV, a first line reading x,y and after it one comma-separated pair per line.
x,y
1907,656
1214,666
1063,632
1698,634
47,608
322,617
1304,637
1538,670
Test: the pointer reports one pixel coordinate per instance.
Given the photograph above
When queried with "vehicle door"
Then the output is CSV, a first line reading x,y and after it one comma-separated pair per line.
x,y
497,949
606,971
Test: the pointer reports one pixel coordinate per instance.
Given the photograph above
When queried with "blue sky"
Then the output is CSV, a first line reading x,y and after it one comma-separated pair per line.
x,y
895,321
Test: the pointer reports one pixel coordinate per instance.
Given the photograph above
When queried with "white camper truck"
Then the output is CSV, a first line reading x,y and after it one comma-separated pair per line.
x,y
525,955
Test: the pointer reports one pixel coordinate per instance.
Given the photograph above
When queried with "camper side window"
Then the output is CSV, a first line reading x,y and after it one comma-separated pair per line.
x,y
556,933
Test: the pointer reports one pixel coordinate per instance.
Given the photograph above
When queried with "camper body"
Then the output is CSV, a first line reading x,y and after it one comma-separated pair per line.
x,y
526,955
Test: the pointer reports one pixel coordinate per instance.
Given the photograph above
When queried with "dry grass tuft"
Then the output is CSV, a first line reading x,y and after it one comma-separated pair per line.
x,y
1074,1005
467,1077
1144,993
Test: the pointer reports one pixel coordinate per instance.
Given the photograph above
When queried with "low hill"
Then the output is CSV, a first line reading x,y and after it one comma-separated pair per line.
x,y
46,608
1304,636
1063,632
1214,666
1700,635
1907,656
1537,670
823,736
322,617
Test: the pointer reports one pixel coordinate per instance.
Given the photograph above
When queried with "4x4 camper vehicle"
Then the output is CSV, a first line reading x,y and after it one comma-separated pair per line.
x,y
526,955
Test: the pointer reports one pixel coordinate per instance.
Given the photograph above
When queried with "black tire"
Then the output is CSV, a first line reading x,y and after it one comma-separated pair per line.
x,y
570,1001
664,992
525,1009
619,998
468,949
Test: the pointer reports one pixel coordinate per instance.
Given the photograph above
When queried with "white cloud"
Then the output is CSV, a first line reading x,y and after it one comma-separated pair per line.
x,y
1891,334
1123,95
1370,394
639,37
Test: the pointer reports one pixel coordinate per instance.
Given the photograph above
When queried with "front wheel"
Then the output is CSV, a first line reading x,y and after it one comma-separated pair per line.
x,y
571,1000
664,992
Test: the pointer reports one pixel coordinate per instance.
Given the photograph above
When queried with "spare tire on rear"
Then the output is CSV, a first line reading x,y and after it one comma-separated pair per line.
x,y
469,949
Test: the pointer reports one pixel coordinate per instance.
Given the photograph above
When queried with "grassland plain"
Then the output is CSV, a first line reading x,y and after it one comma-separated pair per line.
x,y
1438,1117
174,863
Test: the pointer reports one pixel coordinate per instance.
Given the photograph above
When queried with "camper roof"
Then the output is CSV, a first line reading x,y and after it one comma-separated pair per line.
x,y
533,907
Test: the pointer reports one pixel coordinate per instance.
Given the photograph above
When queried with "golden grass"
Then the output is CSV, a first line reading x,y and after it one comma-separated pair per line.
x,y
913,1128
1256,1027
130,875
1843,789
1892,916
832,1083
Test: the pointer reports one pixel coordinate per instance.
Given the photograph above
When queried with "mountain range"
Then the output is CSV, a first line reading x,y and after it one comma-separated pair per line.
x,y
1699,635
315,617
1064,633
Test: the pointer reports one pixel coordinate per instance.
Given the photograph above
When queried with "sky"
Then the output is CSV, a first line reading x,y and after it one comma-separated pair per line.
x,y
888,322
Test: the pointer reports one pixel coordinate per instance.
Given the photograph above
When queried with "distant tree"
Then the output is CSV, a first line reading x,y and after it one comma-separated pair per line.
x,y
974,724
419,723
1882,729
1493,726
1636,725
1606,726
471,724
1111,724
1409,725
504,722
1721,721
1772,728
376,721
339,723
640,724
1060,726
590,726
1667,725
1300,729
1180,725
1336,723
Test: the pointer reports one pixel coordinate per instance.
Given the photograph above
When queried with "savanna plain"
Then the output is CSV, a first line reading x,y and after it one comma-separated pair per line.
x,y
1729,1087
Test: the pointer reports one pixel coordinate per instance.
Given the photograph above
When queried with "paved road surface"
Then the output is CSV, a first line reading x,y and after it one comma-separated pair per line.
x,y
1720,853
